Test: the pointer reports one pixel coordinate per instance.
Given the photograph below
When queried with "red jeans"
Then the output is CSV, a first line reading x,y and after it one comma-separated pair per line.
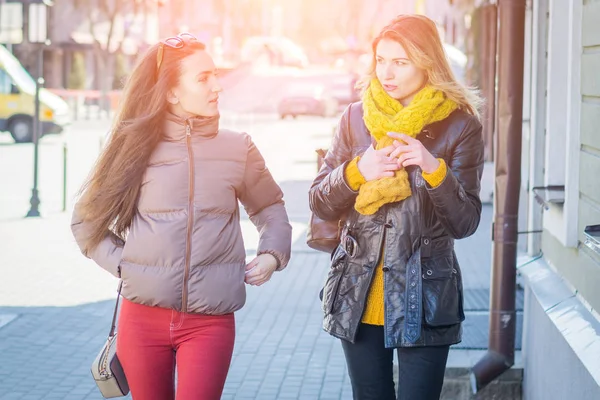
x,y
153,340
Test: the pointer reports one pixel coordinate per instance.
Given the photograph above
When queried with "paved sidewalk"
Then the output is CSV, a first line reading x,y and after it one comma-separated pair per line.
x,y
56,310
55,305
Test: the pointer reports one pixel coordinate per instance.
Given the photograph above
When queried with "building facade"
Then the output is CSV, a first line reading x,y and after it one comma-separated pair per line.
x,y
560,197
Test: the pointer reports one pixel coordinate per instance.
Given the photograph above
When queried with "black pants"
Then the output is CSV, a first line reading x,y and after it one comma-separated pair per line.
x,y
370,366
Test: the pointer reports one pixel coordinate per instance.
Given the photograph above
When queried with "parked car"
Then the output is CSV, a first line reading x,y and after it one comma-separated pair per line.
x,y
342,88
304,98
17,92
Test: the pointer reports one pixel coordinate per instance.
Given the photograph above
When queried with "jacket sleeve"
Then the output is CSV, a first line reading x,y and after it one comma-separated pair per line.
x,y
330,195
456,200
107,254
263,200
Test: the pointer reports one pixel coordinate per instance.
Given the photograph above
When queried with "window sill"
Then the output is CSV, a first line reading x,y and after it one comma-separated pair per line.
x,y
592,238
547,195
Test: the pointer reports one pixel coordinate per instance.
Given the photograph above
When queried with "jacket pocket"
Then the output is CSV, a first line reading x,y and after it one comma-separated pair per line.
x,y
330,291
441,295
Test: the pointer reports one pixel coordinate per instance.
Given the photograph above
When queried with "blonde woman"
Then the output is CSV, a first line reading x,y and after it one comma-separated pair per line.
x,y
404,171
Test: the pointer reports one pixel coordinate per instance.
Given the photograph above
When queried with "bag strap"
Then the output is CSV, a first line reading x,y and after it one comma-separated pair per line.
x,y
114,319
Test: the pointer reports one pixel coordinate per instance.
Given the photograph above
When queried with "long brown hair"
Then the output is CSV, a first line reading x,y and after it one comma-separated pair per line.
x,y
109,196
420,38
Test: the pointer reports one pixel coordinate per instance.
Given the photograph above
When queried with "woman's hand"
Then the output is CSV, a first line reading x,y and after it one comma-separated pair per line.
x,y
375,164
260,270
410,151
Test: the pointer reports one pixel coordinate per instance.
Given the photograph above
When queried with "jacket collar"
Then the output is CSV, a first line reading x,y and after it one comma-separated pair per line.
x,y
176,128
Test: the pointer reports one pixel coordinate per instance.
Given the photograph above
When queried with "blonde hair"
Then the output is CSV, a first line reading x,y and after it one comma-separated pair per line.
x,y
420,38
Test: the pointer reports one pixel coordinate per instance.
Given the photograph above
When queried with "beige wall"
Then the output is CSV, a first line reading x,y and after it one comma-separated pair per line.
x,y
589,204
577,264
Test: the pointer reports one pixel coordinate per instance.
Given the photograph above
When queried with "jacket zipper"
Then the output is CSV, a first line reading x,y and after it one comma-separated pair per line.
x,y
188,244
380,258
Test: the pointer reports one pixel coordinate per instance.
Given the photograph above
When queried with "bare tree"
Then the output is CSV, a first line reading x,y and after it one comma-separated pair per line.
x,y
104,19
111,12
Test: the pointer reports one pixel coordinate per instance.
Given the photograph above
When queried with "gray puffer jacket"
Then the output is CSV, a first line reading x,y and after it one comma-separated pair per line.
x,y
184,250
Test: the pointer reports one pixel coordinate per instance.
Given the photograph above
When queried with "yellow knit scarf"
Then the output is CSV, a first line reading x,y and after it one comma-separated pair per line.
x,y
383,114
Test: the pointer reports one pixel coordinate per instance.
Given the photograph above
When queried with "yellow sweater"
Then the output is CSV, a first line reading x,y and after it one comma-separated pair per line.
x,y
374,309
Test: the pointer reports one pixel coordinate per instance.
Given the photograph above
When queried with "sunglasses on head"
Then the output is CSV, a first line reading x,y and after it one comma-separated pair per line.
x,y
175,42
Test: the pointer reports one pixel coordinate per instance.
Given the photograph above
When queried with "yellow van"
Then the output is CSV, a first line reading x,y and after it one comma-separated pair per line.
x,y
17,102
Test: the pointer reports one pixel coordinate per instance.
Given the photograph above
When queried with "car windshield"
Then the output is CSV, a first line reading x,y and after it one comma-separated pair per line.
x,y
16,71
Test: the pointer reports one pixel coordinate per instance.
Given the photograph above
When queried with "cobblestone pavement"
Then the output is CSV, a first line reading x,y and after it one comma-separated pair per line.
x,y
55,305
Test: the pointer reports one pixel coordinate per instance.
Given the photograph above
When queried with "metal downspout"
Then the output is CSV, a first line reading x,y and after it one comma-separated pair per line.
x,y
501,350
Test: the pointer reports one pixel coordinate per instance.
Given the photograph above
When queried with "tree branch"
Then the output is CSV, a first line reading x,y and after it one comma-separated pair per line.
x,y
112,18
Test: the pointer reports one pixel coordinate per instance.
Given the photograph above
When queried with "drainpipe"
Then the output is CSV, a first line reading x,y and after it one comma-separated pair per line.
x,y
489,22
501,348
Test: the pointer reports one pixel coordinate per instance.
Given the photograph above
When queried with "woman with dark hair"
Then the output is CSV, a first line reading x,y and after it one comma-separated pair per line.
x,y
160,211
404,172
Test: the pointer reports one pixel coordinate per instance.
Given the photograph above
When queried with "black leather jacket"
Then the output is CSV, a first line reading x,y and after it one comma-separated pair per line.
x,y
423,293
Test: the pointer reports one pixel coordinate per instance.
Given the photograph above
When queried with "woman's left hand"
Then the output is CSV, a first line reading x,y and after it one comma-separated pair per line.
x,y
260,270
410,151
